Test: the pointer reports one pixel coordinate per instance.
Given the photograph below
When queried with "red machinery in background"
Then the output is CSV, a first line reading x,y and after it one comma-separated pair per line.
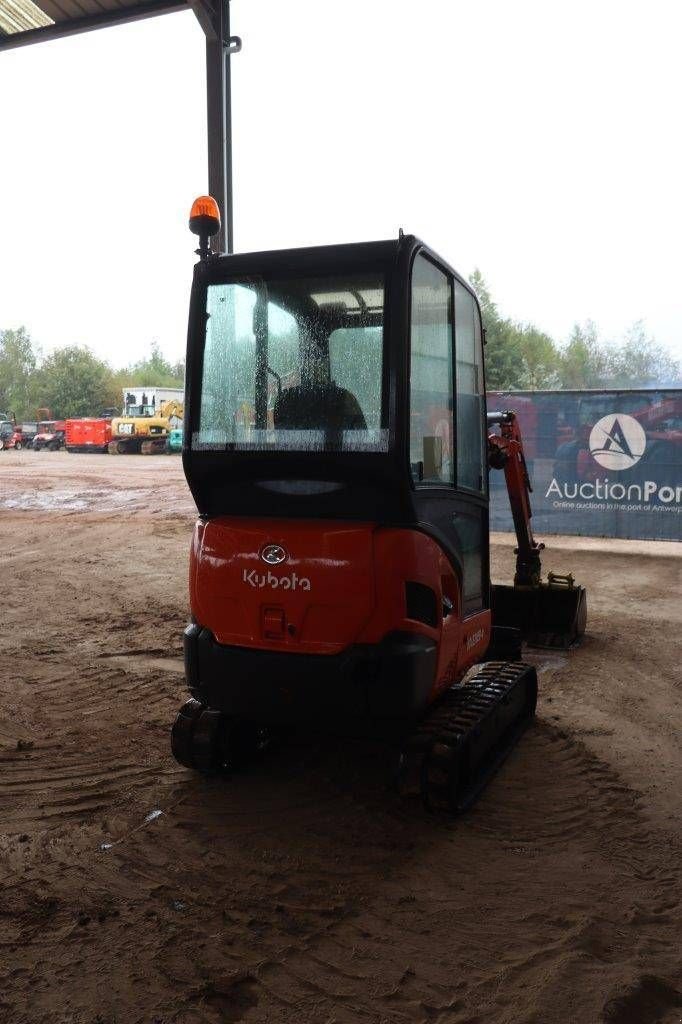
x,y
88,434
51,434
10,436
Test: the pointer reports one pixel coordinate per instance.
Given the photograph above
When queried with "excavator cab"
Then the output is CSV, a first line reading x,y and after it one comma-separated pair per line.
x,y
336,446
313,424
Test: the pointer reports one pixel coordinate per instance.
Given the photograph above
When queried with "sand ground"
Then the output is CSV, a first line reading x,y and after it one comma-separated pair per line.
x,y
135,891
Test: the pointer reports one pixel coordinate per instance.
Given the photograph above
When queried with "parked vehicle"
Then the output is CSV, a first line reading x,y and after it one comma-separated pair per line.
x,y
149,414
29,429
51,435
174,442
10,436
88,434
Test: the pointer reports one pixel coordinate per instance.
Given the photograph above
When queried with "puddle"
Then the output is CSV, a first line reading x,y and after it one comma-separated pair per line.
x,y
101,500
62,500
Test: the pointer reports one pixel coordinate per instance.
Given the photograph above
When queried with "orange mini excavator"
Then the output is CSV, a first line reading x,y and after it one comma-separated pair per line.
x,y
337,448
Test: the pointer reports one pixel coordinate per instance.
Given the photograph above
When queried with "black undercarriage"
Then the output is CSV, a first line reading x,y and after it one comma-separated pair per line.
x,y
446,752
388,681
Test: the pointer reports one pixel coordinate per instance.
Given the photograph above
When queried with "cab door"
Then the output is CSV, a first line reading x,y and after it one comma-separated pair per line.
x,y
447,434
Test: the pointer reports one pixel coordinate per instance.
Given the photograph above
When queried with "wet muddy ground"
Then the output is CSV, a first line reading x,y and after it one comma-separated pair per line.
x,y
304,891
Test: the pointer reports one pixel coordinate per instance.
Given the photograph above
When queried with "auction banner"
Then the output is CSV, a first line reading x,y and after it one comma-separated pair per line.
x,y
601,463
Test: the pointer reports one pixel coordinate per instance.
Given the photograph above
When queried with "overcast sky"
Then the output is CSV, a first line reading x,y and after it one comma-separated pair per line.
x,y
539,141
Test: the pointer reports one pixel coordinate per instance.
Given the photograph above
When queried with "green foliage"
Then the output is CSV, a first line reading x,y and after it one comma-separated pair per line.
x,y
584,361
154,371
519,356
516,355
501,363
641,362
74,382
540,359
637,362
17,369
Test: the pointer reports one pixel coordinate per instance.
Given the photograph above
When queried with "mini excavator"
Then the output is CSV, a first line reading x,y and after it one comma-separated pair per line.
x,y
337,447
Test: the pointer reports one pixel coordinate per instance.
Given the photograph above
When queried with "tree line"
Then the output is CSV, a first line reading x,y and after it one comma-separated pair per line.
x,y
519,356
72,381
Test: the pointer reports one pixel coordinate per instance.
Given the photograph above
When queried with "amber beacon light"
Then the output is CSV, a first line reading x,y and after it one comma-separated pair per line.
x,y
204,221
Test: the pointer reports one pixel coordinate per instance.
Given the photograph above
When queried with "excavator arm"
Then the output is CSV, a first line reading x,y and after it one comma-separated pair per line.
x,y
505,451
548,614
172,408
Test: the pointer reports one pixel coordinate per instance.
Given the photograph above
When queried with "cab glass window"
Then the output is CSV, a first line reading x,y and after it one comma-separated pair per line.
x,y
355,358
294,365
431,372
471,450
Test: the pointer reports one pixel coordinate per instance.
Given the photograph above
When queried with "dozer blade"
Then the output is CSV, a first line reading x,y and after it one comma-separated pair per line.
x,y
552,614
467,734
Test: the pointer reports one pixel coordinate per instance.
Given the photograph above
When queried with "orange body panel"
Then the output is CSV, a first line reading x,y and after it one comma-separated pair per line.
x,y
95,432
339,584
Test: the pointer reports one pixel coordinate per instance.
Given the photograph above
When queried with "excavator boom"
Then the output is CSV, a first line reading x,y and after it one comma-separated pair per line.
x,y
171,409
548,614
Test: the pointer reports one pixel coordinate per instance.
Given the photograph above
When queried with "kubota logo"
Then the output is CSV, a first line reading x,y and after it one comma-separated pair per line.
x,y
617,441
273,554
258,580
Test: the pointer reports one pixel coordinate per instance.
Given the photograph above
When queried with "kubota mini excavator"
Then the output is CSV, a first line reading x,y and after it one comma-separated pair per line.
x,y
339,569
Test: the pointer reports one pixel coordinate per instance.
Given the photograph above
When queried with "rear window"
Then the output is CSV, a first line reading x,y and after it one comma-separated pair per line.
x,y
294,365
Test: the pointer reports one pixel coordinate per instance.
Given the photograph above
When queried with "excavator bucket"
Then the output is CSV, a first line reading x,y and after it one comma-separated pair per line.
x,y
552,614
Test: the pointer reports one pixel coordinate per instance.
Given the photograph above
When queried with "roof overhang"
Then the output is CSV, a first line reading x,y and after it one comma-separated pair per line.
x,y
23,22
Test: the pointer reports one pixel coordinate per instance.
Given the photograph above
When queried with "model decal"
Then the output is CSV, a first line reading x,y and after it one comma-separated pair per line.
x,y
474,638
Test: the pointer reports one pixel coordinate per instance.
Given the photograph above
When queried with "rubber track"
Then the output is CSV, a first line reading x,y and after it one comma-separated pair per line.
x,y
469,732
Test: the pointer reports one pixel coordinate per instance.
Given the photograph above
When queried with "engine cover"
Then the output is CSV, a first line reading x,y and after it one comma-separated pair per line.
x,y
304,586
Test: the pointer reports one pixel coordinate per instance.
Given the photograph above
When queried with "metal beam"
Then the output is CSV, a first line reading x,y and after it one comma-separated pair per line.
x,y
215,21
104,19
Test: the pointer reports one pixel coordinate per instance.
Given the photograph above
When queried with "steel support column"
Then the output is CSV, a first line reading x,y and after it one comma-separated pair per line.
x,y
214,18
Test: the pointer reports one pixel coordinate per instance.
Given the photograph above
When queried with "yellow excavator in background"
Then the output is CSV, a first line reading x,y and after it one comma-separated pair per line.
x,y
147,420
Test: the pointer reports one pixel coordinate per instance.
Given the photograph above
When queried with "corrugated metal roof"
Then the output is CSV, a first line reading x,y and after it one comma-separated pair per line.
x,y
21,16
26,21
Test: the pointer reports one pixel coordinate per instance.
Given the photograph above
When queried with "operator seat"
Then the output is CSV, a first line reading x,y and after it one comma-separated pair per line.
x,y
329,408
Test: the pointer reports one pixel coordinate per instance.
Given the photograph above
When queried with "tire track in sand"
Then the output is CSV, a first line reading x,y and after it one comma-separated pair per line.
x,y
308,893
51,775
